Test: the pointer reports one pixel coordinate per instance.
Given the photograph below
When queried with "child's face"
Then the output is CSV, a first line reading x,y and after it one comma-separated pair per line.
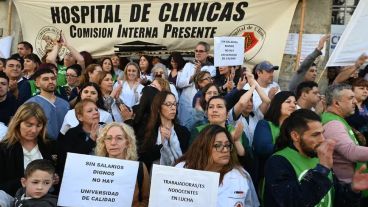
x,y
37,184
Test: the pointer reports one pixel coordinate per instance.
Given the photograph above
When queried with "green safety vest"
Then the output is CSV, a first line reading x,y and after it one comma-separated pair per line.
x,y
301,165
275,131
327,117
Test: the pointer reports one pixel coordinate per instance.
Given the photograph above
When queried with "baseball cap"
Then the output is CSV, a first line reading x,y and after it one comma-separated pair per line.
x,y
266,65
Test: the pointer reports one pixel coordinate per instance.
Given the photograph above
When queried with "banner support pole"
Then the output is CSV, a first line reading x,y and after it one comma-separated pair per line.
x,y
301,30
10,12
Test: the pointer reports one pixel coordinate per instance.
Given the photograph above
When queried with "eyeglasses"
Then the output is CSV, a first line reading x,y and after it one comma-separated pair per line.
x,y
71,76
200,51
169,104
221,147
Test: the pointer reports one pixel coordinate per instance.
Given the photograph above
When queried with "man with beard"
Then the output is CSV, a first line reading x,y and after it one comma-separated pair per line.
x,y
299,173
54,107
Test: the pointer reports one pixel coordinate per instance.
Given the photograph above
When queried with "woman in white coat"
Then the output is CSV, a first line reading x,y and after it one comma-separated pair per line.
x,y
131,89
213,150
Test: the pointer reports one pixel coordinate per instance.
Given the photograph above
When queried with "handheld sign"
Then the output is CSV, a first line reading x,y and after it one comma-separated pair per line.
x,y
97,181
180,187
229,51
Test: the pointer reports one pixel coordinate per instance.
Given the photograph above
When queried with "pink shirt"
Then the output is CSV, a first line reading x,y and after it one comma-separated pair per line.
x,y
346,152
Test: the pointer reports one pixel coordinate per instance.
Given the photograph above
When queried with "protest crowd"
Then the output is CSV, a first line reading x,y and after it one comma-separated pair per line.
x,y
296,147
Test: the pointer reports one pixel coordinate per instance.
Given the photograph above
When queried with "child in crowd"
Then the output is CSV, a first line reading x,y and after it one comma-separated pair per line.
x,y
37,181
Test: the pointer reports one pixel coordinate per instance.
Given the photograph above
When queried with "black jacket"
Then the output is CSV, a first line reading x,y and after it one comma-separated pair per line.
x,y
75,140
47,200
152,153
12,164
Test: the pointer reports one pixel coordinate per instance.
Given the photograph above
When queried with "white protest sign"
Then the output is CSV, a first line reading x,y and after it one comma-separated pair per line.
x,y
180,187
5,46
229,51
97,181
309,44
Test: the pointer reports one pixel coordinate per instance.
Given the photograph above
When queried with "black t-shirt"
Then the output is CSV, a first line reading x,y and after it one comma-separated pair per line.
x,y
8,108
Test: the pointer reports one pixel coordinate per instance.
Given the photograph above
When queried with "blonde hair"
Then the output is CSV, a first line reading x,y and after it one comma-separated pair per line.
x,y
131,153
25,112
165,85
125,77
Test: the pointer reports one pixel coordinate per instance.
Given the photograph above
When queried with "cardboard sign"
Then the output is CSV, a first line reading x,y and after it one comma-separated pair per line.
x,y
181,187
229,51
97,181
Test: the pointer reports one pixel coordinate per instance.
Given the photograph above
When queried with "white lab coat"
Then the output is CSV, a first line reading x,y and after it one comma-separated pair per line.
x,y
128,95
175,92
189,90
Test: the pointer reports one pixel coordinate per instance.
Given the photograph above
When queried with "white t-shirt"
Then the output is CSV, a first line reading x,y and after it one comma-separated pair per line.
x,y
29,156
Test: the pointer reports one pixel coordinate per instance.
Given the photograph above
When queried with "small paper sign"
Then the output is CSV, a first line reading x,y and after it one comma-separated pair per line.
x,y
181,187
229,51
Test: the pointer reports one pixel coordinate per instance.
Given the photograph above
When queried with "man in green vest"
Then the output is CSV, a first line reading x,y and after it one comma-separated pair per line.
x,y
348,154
299,173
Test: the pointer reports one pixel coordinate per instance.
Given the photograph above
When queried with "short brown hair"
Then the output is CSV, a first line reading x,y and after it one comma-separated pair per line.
x,y
80,105
360,82
40,164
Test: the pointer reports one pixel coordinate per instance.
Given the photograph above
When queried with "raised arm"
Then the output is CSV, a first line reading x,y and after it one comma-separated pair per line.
x,y
349,70
73,51
264,97
52,55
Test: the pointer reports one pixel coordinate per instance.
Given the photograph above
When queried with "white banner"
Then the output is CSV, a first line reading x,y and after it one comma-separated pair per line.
x,y
97,181
353,41
5,46
228,51
181,187
102,27
336,32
